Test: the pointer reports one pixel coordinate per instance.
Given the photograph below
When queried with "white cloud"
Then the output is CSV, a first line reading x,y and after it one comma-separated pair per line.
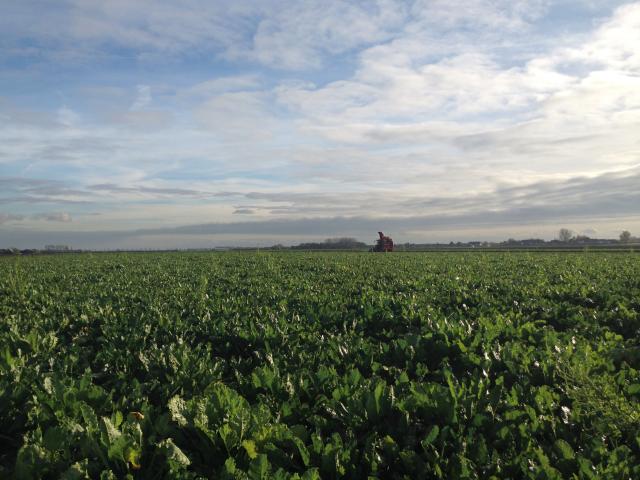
x,y
8,217
62,217
219,85
143,99
614,44
67,117
541,115
298,35
280,33
147,25
500,14
237,117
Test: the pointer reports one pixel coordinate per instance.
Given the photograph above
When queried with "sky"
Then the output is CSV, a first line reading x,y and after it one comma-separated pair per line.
x,y
200,123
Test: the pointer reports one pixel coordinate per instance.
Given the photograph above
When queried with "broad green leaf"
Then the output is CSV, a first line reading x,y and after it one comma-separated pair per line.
x,y
118,418
431,436
173,452
133,456
77,471
563,449
177,409
311,474
90,418
634,389
54,439
111,432
302,450
259,468
250,448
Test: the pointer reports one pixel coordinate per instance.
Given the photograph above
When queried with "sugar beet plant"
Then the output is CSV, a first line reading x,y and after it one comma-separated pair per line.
x,y
311,366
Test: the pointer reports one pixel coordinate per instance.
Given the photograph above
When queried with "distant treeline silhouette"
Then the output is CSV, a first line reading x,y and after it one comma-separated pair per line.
x,y
342,243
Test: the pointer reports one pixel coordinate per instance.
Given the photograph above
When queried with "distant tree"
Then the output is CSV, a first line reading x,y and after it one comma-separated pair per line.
x,y
625,236
343,243
565,235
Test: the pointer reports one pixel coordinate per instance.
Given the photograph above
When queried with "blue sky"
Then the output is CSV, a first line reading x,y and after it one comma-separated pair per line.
x,y
160,124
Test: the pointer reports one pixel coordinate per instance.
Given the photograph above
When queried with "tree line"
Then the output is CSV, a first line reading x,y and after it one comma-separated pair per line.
x,y
566,235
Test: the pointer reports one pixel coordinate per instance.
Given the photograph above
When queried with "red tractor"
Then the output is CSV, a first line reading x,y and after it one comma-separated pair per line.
x,y
383,244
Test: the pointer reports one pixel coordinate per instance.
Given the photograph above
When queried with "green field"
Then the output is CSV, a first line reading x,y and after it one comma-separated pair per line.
x,y
325,365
